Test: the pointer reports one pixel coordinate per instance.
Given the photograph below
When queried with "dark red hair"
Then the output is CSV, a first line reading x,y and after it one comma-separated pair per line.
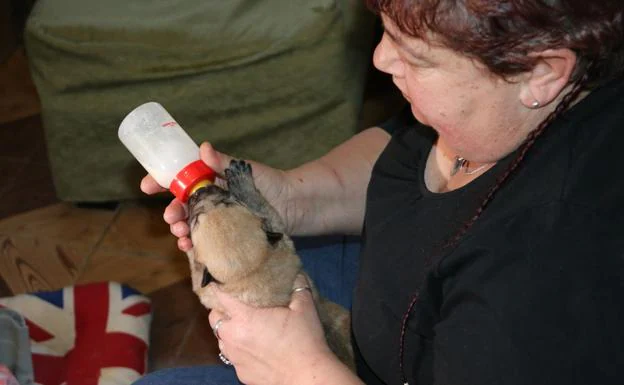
x,y
501,33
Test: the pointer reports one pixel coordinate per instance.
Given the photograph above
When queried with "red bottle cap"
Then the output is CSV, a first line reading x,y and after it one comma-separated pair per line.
x,y
188,179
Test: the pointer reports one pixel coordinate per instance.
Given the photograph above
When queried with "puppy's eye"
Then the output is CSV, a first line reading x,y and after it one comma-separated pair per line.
x,y
273,238
207,278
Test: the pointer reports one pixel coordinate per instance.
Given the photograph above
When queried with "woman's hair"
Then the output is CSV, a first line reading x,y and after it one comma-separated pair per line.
x,y
502,33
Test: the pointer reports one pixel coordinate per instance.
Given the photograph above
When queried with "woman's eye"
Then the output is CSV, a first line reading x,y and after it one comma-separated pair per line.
x,y
414,61
420,63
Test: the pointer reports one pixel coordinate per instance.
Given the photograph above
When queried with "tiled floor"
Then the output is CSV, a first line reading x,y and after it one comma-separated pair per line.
x,y
46,244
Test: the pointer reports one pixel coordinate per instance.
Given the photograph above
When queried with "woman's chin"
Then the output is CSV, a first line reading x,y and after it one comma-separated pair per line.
x,y
418,115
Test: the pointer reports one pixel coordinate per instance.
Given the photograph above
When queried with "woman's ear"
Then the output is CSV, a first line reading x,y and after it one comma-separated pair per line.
x,y
548,78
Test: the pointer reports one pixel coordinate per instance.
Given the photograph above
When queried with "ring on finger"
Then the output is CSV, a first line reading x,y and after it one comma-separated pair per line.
x,y
215,329
302,288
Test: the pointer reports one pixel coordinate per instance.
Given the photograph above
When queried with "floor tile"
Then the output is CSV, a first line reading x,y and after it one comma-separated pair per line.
x,y
139,229
31,263
144,273
62,222
177,336
201,346
172,310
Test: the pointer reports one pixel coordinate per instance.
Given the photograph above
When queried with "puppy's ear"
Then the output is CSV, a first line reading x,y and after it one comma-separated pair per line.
x,y
273,238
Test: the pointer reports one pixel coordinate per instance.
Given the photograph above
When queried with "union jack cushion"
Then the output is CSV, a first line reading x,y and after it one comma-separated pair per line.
x,y
93,334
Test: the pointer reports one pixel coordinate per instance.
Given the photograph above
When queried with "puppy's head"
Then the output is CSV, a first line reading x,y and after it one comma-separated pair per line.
x,y
228,239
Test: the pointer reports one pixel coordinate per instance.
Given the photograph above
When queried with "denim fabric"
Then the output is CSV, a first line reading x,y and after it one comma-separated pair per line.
x,y
331,262
196,375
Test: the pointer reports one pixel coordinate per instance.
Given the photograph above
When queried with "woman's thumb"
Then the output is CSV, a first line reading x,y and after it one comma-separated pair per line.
x,y
214,159
302,293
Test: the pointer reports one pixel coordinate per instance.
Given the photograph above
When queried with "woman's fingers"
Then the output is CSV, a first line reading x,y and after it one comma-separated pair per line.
x,y
301,294
150,186
180,229
175,212
185,244
217,320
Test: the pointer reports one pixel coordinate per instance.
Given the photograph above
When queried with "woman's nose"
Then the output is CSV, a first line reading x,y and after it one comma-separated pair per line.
x,y
386,58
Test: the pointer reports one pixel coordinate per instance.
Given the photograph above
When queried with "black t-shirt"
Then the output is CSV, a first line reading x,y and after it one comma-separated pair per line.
x,y
532,294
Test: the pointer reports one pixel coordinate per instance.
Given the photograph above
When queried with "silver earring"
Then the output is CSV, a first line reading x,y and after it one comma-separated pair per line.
x,y
535,104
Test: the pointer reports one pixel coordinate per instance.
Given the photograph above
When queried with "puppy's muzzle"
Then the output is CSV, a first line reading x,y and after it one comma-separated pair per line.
x,y
211,191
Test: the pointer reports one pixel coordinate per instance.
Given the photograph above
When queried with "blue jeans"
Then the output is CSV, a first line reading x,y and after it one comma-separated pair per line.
x,y
332,262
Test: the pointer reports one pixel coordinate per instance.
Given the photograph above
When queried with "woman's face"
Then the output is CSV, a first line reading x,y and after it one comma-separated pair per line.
x,y
477,115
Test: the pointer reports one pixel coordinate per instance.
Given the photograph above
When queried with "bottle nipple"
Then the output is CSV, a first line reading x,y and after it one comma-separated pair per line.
x,y
190,179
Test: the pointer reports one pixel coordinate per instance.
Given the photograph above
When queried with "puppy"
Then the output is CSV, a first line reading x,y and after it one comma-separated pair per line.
x,y
239,242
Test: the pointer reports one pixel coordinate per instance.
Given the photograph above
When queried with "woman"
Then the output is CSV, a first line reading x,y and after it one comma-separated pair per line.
x,y
490,210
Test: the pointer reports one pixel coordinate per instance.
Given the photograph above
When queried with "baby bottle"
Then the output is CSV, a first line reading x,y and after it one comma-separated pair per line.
x,y
165,150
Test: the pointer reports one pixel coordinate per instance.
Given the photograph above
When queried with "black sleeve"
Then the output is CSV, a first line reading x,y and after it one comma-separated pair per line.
x,y
545,305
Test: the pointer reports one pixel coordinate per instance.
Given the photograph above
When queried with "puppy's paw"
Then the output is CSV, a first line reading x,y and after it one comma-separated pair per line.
x,y
239,166
240,179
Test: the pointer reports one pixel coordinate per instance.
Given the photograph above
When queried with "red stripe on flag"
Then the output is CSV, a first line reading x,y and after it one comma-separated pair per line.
x,y
35,332
138,309
49,370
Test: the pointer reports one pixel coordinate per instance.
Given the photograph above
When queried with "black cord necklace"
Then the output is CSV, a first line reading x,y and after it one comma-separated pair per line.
x,y
406,316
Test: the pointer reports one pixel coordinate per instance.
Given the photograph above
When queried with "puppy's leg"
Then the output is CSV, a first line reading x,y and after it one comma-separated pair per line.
x,y
241,186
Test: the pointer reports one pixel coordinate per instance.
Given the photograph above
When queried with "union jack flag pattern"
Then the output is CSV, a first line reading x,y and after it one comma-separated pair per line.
x,y
93,334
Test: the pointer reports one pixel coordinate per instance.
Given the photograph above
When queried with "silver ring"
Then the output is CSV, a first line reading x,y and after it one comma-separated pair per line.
x,y
224,359
302,288
215,329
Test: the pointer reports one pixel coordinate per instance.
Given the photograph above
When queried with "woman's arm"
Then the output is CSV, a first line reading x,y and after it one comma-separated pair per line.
x,y
328,195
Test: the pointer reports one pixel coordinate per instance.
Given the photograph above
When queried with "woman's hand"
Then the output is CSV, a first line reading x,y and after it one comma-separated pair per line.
x,y
270,182
273,346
